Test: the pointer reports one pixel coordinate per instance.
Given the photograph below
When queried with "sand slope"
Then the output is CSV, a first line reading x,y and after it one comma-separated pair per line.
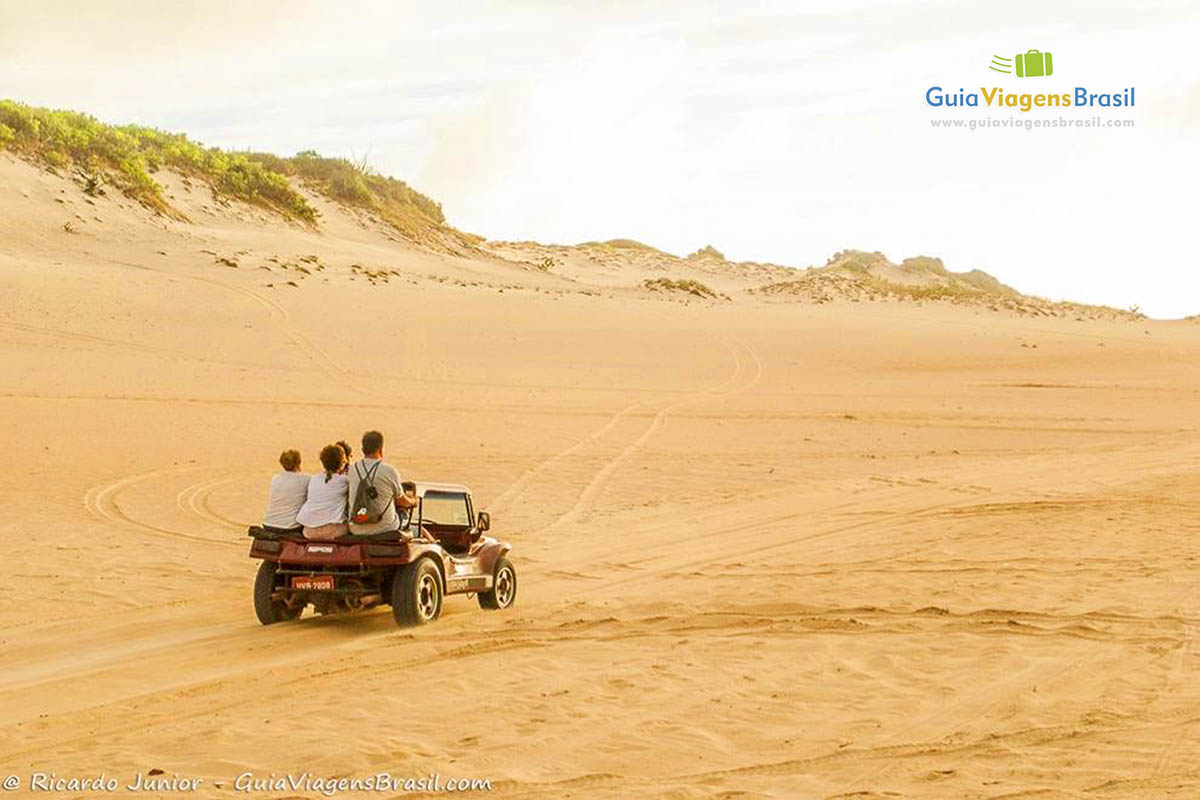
x,y
766,550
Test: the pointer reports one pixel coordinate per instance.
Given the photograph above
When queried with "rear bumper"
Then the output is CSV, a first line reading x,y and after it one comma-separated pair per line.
x,y
334,554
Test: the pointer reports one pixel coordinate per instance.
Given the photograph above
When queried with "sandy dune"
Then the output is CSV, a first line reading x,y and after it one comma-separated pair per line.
x,y
766,550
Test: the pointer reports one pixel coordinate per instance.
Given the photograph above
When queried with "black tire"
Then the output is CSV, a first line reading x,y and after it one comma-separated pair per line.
x,y
504,587
270,611
417,594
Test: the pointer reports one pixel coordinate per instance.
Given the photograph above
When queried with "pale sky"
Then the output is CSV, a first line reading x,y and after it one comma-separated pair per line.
x,y
776,131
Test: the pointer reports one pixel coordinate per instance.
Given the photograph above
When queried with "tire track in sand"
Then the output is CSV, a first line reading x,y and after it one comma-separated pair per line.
x,y
194,499
1177,678
591,492
259,682
518,487
279,315
101,502
282,318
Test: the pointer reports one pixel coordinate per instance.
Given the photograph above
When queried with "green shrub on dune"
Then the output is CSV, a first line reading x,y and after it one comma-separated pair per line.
x,y
127,156
684,285
708,251
858,261
629,244
927,264
985,282
353,184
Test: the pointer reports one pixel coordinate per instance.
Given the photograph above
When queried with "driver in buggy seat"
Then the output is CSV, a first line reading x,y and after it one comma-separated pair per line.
x,y
378,497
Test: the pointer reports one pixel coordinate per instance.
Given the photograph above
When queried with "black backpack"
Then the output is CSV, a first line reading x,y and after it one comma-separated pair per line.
x,y
366,497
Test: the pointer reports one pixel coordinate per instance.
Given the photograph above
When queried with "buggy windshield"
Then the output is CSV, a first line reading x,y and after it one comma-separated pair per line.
x,y
445,510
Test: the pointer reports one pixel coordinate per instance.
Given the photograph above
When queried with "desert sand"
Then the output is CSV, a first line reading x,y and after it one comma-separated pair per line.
x,y
767,548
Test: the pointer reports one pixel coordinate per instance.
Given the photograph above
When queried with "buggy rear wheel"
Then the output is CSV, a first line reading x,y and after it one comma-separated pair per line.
x,y
270,611
504,586
417,594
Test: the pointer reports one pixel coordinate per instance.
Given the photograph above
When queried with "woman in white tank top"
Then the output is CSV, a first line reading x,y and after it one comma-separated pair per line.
x,y
324,512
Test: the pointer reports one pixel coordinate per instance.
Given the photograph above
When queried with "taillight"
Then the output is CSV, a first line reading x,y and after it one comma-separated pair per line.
x,y
265,547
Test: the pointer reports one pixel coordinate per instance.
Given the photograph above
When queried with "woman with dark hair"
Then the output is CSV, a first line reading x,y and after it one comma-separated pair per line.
x,y
324,513
349,451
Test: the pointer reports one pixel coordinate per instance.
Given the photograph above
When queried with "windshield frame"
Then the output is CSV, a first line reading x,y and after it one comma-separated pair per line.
x,y
444,495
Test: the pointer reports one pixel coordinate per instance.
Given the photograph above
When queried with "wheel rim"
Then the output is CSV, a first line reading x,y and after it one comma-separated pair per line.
x,y
505,584
427,596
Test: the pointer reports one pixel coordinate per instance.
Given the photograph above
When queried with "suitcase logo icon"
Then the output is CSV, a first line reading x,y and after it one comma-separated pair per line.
x,y
1030,64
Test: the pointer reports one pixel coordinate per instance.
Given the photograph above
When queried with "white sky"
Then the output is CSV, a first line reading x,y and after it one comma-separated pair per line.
x,y
776,131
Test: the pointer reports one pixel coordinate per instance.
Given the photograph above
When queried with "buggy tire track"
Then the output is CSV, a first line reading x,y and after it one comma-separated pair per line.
x,y
101,502
590,492
194,499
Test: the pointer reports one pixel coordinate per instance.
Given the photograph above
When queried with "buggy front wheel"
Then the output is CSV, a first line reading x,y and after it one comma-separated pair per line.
x,y
504,586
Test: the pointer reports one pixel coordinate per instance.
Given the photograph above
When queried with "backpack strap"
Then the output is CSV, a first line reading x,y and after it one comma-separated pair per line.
x,y
369,477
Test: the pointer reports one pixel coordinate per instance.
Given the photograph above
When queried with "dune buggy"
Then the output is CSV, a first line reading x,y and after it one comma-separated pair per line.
x,y
401,569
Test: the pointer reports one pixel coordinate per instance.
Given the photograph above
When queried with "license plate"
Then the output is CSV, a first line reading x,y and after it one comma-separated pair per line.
x,y
313,583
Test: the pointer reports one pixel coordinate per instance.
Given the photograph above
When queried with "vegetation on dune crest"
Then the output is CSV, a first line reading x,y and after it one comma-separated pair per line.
x,y
875,269
687,286
708,251
631,245
858,261
626,244
354,184
127,156
985,282
921,264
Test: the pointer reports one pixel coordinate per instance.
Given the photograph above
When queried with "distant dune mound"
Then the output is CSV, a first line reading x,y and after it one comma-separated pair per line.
x,y
628,263
858,276
848,276
918,271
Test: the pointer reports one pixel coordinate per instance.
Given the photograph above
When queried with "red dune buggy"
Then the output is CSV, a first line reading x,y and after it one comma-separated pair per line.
x,y
400,569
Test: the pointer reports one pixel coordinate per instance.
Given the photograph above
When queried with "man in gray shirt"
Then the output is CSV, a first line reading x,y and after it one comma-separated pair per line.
x,y
386,481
